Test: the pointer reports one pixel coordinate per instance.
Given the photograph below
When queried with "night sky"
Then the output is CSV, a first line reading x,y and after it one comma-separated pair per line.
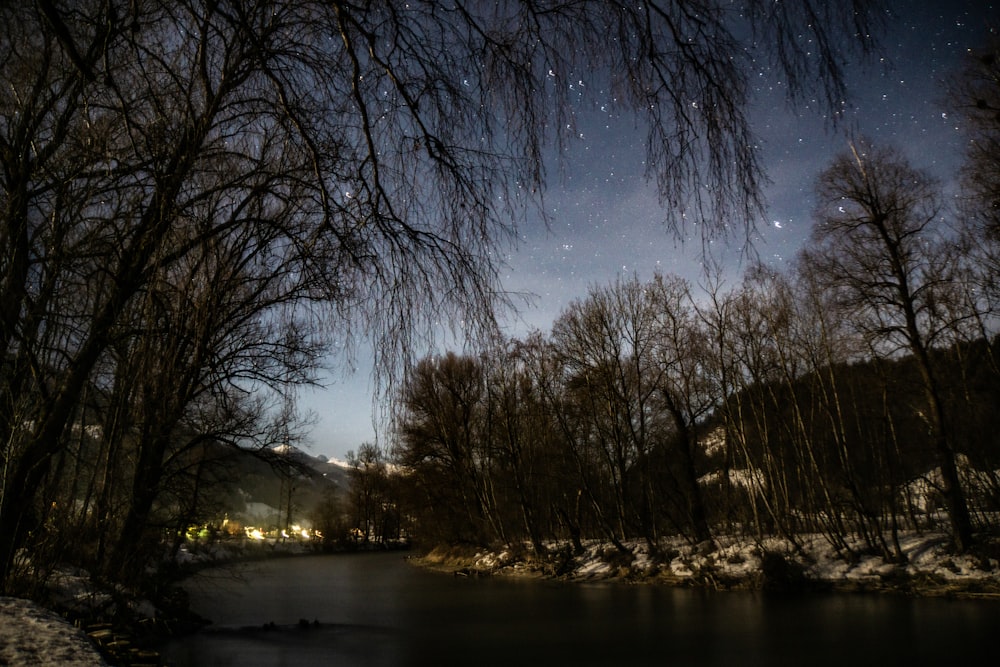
x,y
606,220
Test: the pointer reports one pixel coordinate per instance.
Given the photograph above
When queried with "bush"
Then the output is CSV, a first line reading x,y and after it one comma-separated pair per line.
x,y
616,558
781,574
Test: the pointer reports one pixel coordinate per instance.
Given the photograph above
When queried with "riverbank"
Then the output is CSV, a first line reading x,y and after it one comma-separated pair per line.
x,y
117,627
929,567
33,635
383,610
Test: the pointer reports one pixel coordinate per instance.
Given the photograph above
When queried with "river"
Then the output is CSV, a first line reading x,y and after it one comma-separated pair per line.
x,y
381,610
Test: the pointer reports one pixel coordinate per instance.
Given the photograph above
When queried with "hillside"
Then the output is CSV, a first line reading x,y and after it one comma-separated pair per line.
x,y
261,484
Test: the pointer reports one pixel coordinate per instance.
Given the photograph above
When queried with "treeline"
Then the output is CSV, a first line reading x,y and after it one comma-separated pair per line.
x,y
647,414
853,394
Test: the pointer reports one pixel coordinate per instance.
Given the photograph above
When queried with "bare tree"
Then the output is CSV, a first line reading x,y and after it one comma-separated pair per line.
x,y
368,493
680,354
855,481
751,361
605,342
441,446
881,243
523,432
567,477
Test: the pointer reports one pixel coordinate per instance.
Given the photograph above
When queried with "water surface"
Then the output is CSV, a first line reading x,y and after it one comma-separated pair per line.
x,y
381,610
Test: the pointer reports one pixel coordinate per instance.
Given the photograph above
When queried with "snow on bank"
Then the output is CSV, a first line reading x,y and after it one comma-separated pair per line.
x,y
32,635
930,567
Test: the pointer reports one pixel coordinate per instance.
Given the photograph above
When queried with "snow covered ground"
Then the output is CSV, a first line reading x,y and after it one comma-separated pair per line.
x,y
32,635
930,568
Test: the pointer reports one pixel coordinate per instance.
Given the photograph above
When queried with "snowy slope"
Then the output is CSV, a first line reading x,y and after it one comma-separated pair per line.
x,y
32,635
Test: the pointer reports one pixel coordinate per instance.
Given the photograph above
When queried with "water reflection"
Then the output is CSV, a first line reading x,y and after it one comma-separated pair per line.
x,y
379,610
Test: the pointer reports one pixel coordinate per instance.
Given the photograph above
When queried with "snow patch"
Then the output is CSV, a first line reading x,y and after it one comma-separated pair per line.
x,y
32,635
929,566
715,442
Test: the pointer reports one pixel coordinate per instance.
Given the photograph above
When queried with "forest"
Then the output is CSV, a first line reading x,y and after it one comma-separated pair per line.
x,y
649,413
851,394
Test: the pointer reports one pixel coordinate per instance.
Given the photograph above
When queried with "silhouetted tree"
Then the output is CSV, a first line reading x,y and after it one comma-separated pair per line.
x,y
368,497
881,245
681,355
442,447
522,432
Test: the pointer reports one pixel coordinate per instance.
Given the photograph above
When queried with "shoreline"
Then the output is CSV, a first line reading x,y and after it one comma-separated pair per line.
x,y
772,566
31,634
727,564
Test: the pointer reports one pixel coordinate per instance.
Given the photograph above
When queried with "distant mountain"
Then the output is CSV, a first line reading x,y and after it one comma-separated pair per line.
x,y
337,472
261,483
